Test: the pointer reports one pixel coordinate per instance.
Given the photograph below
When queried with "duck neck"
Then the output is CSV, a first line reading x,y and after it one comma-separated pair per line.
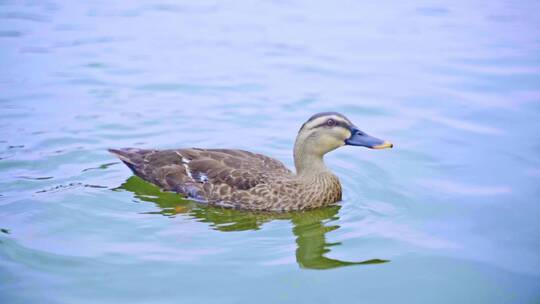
x,y
308,163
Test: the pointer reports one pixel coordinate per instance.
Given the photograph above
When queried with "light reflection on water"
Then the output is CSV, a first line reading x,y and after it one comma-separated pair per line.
x,y
308,227
454,85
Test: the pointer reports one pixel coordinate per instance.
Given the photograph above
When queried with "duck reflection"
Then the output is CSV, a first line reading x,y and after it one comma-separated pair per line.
x,y
309,227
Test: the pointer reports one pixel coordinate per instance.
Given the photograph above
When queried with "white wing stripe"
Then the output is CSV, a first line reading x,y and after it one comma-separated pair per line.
x,y
185,162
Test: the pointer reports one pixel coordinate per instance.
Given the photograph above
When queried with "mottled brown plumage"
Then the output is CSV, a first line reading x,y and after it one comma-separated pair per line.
x,y
245,180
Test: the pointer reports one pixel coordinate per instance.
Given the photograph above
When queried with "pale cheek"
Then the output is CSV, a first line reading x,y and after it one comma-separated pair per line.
x,y
345,134
330,143
341,136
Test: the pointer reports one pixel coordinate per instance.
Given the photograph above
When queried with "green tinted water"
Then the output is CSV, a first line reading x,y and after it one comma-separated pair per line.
x,y
450,215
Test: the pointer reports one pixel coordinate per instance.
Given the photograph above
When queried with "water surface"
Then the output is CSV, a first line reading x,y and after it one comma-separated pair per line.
x,y
450,215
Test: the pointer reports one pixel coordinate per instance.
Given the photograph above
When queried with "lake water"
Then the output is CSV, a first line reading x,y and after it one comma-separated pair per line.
x,y
450,215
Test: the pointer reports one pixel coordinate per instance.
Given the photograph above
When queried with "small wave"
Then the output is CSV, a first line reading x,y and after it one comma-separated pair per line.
x,y
10,34
23,16
70,186
101,167
35,178
16,147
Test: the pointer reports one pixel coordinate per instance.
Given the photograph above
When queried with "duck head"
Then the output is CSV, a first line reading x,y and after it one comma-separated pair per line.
x,y
327,131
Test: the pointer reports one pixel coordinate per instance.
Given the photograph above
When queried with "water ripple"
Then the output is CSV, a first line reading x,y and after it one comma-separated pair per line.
x,y
453,84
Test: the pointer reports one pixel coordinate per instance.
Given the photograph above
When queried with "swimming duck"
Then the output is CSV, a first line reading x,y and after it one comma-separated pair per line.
x,y
244,180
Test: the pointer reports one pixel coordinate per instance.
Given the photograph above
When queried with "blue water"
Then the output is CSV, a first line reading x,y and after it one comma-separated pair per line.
x,y
453,209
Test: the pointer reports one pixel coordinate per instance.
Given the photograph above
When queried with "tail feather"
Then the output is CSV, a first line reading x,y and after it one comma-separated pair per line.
x,y
130,156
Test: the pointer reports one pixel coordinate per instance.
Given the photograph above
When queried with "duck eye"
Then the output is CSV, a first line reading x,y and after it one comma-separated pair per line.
x,y
331,123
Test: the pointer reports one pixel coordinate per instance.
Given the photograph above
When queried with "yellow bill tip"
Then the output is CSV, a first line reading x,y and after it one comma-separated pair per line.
x,y
384,145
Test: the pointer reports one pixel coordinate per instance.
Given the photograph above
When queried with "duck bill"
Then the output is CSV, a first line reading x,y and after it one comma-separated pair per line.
x,y
359,138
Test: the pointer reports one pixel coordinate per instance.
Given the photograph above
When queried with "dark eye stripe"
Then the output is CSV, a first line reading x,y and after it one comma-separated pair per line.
x,y
338,123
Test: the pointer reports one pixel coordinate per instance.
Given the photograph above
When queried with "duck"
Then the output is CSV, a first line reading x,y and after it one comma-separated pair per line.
x,y
239,179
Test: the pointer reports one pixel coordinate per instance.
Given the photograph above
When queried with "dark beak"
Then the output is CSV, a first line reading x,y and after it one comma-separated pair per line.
x,y
359,138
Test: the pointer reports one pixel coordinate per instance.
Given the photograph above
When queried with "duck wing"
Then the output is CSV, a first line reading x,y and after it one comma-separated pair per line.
x,y
194,172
